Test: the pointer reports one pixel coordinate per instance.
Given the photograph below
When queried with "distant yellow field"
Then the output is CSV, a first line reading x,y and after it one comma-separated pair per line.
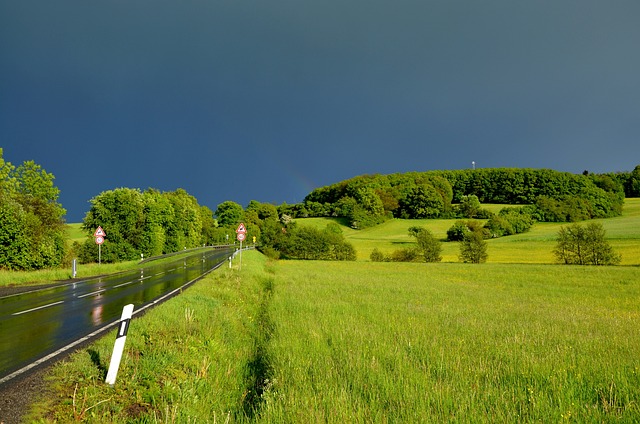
x,y
533,247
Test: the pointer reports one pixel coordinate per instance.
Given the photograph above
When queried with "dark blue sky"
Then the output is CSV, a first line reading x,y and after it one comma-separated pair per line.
x,y
266,100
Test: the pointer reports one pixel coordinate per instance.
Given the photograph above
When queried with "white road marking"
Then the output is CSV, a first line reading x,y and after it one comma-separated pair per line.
x,y
132,281
39,307
92,293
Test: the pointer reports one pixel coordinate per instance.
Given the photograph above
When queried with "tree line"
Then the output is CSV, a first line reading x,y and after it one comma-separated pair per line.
x,y
551,196
144,223
150,222
32,228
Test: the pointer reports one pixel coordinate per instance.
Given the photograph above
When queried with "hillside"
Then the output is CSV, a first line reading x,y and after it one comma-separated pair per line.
x,y
535,246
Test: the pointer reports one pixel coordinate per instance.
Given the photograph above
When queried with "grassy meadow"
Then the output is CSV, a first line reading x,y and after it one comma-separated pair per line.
x,y
310,341
533,247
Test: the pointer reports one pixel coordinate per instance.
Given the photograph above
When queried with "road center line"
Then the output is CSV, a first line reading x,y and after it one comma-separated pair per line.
x,y
90,294
132,281
39,307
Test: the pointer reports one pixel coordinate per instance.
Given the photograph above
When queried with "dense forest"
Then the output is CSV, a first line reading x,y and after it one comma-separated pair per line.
x,y
550,195
149,223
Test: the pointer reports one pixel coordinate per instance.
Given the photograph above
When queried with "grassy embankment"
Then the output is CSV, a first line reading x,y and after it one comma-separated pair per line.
x,y
47,276
296,341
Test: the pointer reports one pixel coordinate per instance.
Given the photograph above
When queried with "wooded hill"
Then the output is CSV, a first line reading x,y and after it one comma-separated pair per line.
x,y
551,196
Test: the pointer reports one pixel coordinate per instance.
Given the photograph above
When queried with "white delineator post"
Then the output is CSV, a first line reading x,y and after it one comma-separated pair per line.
x,y
125,319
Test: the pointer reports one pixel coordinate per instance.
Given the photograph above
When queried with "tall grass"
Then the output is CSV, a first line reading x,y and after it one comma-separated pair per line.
x,y
305,341
451,342
187,361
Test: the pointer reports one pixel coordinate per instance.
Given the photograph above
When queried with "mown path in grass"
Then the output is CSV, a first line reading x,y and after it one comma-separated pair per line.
x,y
307,341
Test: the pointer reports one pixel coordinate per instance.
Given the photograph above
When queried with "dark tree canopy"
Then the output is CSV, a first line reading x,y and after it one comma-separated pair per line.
x,y
553,195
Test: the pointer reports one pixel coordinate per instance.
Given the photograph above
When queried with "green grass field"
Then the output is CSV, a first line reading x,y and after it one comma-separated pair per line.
x,y
310,341
517,339
75,233
533,247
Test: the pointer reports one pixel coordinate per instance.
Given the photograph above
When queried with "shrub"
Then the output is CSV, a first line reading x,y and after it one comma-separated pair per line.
x,y
457,231
509,221
409,254
312,243
578,245
473,248
428,245
270,252
376,256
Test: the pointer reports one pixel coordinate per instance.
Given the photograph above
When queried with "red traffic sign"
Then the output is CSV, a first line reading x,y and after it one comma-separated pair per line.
x,y
99,232
99,240
241,236
241,229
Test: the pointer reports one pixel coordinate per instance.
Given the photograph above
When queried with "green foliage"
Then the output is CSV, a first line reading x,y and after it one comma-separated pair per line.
x,y
469,206
228,213
561,196
428,245
376,255
14,243
408,254
186,232
590,203
473,248
457,231
312,243
584,245
422,201
632,186
510,221
32,230
149,224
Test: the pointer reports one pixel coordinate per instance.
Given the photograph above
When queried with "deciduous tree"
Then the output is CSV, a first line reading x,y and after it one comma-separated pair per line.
x,y
584,245
473,248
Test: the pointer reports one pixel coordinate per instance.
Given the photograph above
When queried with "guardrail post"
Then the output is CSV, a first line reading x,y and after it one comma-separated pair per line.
x,y
118,347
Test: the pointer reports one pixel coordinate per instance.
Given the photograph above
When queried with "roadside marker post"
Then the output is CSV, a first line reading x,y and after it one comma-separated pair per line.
x,y
118,347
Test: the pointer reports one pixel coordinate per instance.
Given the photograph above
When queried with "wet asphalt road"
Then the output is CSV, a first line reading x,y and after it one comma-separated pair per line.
x,y
35,325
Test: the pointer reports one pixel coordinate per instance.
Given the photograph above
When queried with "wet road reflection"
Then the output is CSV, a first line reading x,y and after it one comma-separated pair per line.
x,y
37,323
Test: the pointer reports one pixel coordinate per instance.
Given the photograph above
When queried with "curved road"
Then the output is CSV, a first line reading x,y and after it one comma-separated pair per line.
x,y
37,325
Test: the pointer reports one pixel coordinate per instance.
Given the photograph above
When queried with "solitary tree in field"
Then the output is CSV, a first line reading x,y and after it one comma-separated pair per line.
x,y
428,245
578,245
473,248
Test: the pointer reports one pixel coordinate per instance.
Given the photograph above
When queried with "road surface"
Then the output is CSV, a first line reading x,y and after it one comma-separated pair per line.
x,y
39,324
